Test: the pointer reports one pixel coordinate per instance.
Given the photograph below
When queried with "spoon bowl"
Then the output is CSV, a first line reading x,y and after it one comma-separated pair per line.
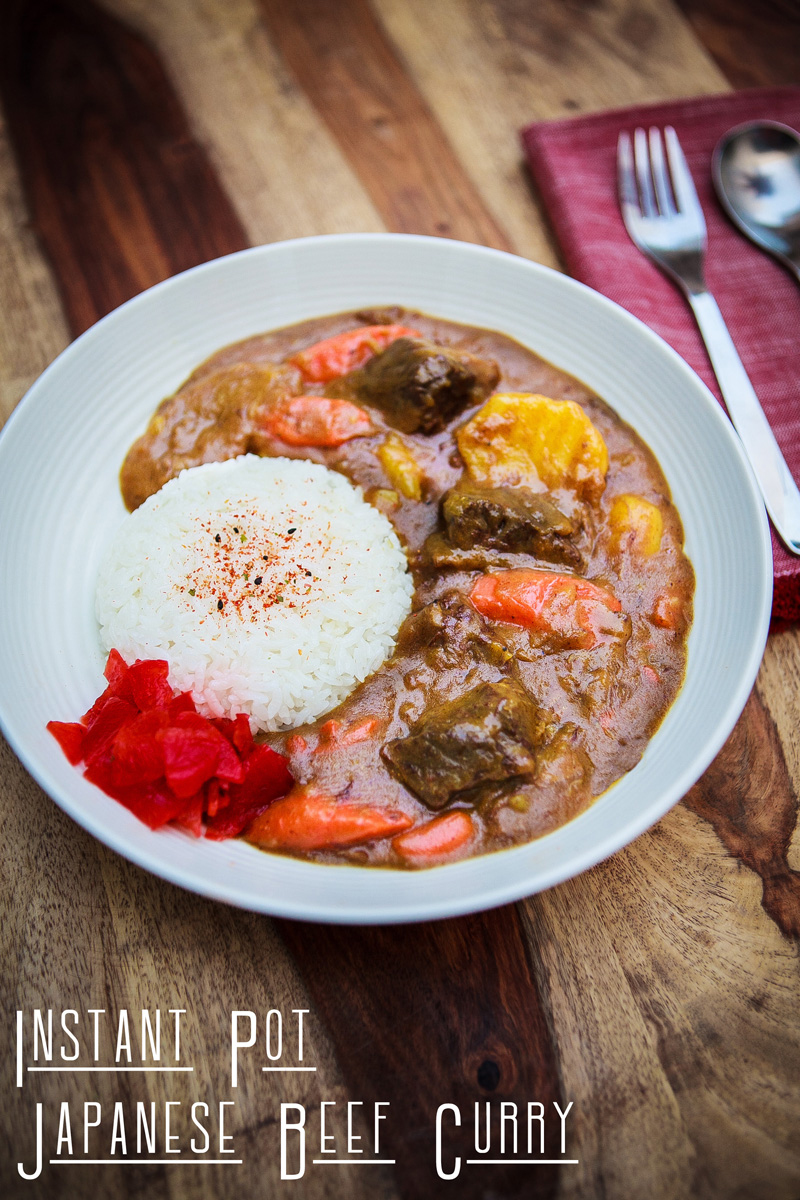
x,y
756,171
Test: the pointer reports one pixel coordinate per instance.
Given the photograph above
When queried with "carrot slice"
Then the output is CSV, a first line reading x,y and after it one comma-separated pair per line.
x,y
335,356
437,838
306,820
575,611
317,421
668,612
333,734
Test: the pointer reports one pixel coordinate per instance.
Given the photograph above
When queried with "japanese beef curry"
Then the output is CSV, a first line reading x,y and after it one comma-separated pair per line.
x,y
548,631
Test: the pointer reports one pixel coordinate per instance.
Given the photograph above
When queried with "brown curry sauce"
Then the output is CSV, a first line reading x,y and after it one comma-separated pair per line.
x,y
598,707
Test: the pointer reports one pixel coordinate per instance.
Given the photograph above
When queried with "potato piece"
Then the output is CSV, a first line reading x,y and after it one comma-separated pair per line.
x,y
385,500
519,438
669,611
405,473
635,525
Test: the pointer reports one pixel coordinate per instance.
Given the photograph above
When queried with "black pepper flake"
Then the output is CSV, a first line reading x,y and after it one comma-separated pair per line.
x,y
265,558
218,538
236,529
292,530
220,605
259,579
308,574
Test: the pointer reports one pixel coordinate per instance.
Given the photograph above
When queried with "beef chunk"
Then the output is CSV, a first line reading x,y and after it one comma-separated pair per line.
x,y
450,618
489,734
421,386
449,632
513,519
439,551
387,314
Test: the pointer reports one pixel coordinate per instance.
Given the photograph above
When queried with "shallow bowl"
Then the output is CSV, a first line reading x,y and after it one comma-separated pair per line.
x,y
60,503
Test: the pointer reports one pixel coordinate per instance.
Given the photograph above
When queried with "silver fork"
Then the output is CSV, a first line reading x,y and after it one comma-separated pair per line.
x,y
664,219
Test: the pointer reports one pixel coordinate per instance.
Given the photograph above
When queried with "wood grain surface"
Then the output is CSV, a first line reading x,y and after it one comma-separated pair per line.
x,y
657,992
121,194
754,45
341,57
445,1011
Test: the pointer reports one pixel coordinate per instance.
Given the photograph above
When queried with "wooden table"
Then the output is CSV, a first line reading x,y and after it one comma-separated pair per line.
x,y
657,992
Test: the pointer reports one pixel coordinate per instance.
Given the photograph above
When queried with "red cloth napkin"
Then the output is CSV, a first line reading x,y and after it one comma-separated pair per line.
x,y
574,164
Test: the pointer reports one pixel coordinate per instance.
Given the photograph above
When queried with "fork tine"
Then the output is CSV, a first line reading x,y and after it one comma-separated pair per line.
x,y
642,161
660,177
682,182
628,196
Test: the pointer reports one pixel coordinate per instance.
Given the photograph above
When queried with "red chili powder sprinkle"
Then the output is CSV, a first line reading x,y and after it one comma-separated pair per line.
x,y
246,568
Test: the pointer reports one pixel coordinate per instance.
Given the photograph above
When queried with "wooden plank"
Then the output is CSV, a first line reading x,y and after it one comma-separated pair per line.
x,y
747,797
754,45
120,193
779,688
341,58
33,330
514,63
630,1136
445,1012
674,1001
284,172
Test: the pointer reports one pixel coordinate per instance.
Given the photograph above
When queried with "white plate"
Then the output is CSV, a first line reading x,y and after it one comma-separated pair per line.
x,y
60,503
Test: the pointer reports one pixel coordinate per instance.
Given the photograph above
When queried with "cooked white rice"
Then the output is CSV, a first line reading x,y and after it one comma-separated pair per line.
x,y
268,584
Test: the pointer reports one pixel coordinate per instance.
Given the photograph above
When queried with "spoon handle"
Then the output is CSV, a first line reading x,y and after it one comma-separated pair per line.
x,y
778,488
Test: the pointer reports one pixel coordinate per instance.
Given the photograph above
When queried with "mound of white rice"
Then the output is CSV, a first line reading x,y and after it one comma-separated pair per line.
x,y
268,584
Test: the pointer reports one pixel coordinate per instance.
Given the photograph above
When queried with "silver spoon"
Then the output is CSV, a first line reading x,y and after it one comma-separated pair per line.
x,y
756,171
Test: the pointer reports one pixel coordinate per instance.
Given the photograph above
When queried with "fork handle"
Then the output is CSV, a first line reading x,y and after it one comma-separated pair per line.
x,y
778,488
